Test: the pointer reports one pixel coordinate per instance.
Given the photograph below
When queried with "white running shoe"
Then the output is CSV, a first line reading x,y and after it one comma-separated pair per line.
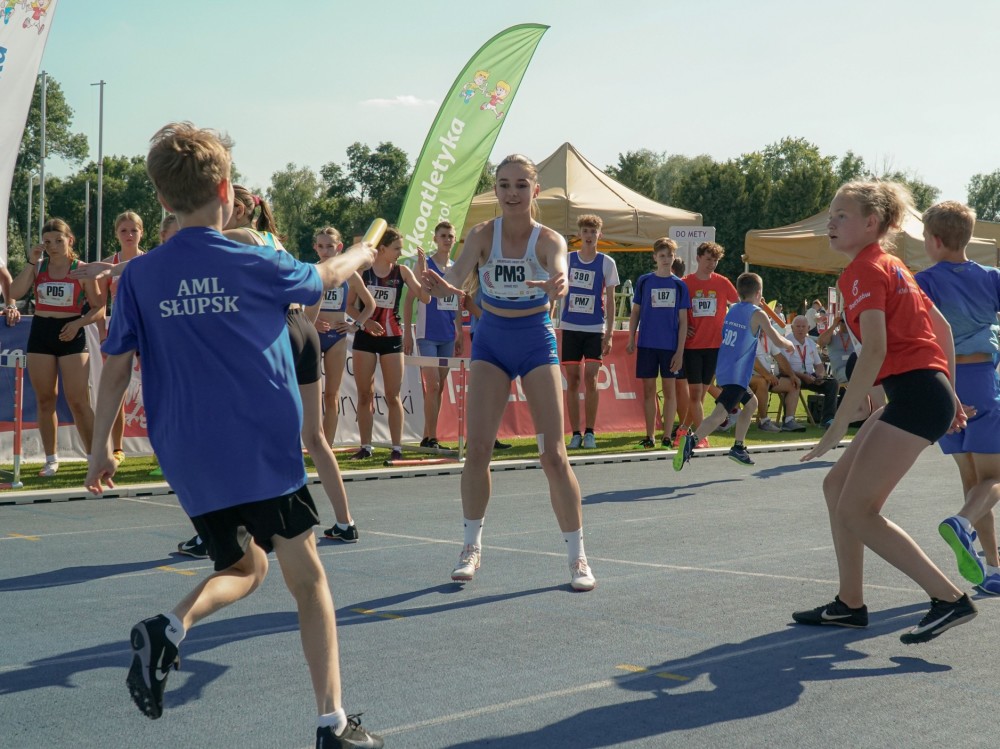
x,y
583,578
468,563
50,469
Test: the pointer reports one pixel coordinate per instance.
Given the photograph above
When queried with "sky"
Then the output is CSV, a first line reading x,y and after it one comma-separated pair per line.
x,y
905,85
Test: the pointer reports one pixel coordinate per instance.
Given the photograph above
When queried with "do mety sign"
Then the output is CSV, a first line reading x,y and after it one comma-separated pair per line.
x,y
688,238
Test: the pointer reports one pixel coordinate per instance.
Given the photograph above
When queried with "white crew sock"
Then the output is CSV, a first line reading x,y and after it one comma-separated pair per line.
x,y
175,632
966,524
337,719
344,526
52,459
990,569
574,545
473,532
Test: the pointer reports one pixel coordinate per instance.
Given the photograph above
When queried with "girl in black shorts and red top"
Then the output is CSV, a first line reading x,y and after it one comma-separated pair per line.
x,y
906,346
57,343
380,340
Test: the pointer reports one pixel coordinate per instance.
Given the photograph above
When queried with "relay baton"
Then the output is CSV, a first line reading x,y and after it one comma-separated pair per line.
x,y
375,231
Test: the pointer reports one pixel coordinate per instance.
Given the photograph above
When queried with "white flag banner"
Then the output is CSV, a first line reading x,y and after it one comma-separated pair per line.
x,y
24,29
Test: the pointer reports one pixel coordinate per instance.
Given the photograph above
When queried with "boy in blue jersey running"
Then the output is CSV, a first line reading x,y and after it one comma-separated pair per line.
x,y
207,316
968,295
745,323
659,324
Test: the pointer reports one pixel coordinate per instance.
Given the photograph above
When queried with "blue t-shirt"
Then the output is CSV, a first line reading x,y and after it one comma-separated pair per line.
x,y
968,295
661,299
739,346
207,316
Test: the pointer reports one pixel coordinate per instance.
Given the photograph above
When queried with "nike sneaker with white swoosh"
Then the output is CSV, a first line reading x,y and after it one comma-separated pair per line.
x,y
153,655
353,737
836,613
943,616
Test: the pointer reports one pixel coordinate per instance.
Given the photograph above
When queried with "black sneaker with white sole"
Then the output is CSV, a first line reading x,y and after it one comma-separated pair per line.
x,y
836,613
943,616
153,655
740,454
354,736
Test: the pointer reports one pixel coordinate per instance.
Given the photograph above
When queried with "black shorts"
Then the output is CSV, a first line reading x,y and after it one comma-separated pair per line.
x,y
305,347
227,533
699,365
578,345
379,345
920,402
43,338
733,395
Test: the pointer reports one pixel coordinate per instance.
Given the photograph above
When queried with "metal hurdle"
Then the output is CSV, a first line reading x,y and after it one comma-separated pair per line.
x,y
462,365
18,360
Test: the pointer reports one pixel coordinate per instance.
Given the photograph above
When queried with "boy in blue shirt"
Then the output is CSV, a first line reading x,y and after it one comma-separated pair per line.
x,y
745,323
203,304
659,324
968,295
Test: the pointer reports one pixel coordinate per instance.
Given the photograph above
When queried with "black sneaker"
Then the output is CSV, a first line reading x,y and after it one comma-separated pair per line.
x,y
498,445
647,443
362,454
194,547
668,442
153,655
394,455
425,442
837,613
354,736
740,455
348,535
943,616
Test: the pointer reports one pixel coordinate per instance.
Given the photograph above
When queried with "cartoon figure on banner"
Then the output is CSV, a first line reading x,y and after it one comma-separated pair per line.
x,y
501,92
135,413
6,9
478,83
38,10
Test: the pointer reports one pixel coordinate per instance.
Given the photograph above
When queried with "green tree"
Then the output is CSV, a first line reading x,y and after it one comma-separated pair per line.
x,y
984,195
671,171
291,195
637,170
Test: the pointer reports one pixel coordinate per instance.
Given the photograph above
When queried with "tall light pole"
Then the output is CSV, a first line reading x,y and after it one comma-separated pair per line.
x,y
100,167
27,242
86,224
41,168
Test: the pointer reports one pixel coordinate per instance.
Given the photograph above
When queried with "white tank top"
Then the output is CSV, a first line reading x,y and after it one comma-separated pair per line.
x,y
502,279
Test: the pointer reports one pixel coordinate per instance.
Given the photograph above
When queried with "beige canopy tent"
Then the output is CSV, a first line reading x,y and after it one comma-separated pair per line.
x,y
804,246
988,230
571,186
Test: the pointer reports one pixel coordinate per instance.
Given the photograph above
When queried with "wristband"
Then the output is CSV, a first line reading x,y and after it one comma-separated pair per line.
x,y
359,325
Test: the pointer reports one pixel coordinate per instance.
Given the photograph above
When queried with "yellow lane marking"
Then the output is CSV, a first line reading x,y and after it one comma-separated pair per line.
x,y
370,612
26,538
661,674
167,568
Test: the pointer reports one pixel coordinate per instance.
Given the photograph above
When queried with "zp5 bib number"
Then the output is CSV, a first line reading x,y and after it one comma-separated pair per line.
x,y
385,296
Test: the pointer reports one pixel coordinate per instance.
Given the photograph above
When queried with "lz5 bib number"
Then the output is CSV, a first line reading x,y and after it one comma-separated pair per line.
x,y
385,296
333,298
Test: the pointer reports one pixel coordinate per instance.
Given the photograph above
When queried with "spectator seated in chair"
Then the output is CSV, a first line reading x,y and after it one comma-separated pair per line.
x,y
809,370
768,378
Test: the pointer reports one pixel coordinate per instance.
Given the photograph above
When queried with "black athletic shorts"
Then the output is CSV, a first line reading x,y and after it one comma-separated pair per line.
x,y
699,365
732,395
43,338
305,347
378,344
578,345
920,402
227,533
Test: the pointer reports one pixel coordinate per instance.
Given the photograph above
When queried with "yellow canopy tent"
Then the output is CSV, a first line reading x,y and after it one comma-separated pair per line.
x,y
988,230
571,186
804,246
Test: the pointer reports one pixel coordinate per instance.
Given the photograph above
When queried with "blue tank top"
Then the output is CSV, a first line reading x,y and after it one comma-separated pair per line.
x,y
502,279
584,302
436,319
968,295
739,346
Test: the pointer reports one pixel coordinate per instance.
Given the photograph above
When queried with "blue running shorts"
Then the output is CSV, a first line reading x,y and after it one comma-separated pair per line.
x,y
515,345
976,385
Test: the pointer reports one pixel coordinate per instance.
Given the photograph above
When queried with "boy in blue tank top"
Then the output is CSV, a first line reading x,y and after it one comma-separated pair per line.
x,y
207,316
968,295
745,323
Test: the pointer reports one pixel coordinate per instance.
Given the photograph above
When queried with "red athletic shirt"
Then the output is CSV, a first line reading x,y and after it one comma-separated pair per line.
x,y
709,301
877,280
58,295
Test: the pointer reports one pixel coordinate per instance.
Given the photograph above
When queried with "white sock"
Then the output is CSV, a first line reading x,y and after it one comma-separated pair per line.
x,y
344,526
397,448
990,569
367,447
966,524
473,532
337,719
51,458
574,545
175,632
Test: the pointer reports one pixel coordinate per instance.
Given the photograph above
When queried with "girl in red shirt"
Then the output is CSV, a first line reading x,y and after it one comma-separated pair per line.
x,y
57,344
906,346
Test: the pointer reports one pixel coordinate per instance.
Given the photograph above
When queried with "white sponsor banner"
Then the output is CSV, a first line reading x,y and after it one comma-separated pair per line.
x,y
24,29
